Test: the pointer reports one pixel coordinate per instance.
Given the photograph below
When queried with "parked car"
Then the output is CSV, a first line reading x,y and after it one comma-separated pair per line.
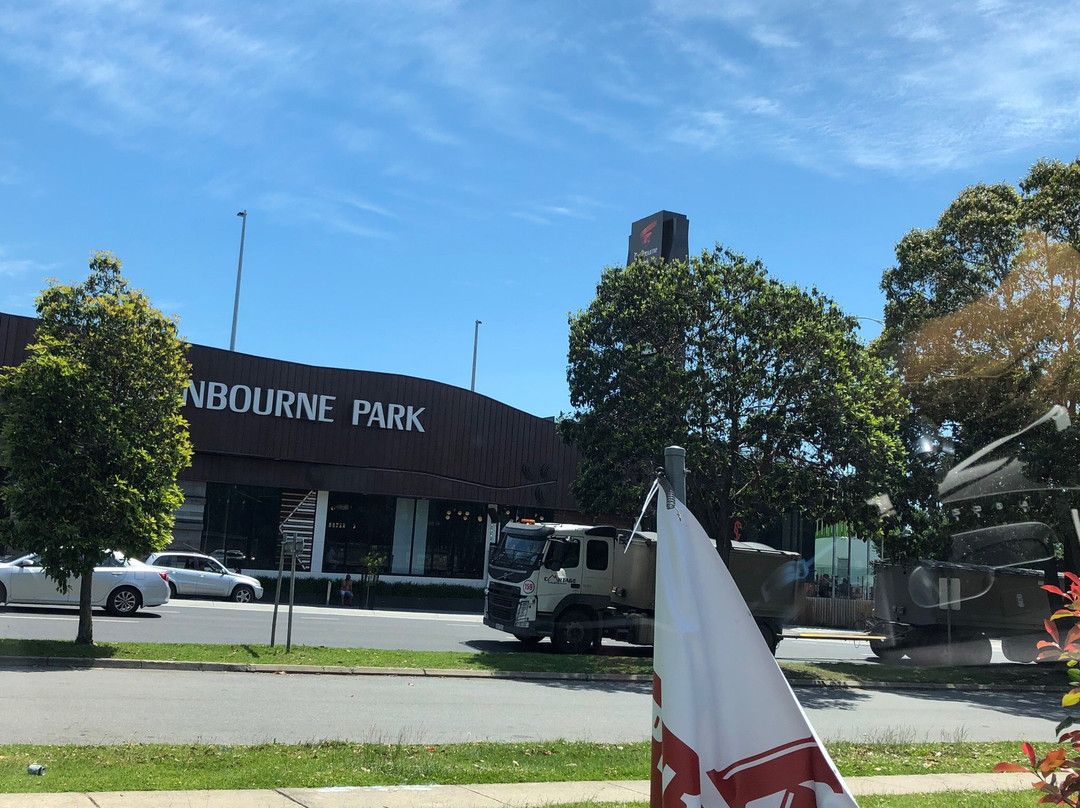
x,y
204,576
121,586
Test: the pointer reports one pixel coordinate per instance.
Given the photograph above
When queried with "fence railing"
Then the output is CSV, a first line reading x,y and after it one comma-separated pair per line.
x,y
850,613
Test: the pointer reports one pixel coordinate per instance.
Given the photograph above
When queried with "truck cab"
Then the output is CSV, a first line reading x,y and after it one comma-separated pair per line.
x,y
551,581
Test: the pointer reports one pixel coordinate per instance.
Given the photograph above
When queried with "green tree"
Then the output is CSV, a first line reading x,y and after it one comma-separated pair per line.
x,y
981,324
766,385
92,433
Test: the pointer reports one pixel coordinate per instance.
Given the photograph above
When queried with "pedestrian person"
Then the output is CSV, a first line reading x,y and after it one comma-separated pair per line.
x,y
346,591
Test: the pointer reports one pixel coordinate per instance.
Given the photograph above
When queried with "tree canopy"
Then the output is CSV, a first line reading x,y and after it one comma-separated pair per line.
x,y
766,385
92,433
982,319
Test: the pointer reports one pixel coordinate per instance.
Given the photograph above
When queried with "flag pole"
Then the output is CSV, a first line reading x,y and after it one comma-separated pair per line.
x,y
675,469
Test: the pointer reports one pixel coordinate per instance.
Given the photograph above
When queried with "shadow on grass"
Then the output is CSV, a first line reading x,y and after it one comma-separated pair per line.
x,y
54,648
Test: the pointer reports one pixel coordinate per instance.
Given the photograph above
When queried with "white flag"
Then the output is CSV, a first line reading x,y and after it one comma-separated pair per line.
x,y
727,729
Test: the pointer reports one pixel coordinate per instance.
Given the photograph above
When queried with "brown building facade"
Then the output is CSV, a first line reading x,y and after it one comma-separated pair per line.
x,y
413,473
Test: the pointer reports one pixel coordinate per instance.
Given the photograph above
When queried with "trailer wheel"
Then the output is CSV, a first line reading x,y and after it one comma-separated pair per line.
x,y
770,635
886,653
1020,648
928,655
575,632
974,650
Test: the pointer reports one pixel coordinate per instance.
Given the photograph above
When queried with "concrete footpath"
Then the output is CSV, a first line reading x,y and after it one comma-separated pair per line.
x,y
519,795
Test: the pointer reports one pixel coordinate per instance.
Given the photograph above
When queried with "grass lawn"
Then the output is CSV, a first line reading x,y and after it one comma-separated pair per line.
x,y
997,675
138,767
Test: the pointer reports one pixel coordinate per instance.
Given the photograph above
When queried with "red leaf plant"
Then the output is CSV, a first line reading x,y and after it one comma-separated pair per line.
x,y
1058,773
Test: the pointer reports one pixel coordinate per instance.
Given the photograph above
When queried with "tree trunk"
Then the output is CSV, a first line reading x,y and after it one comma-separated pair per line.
x,y
86,622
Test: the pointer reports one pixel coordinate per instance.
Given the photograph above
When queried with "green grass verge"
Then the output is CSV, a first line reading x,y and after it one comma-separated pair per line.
x,y
146,767
544,660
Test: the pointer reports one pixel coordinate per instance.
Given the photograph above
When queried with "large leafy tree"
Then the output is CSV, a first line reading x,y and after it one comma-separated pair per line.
x,y
982,318
92,434
766,385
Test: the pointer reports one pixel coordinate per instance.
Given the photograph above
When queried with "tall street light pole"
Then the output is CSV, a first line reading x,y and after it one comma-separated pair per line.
x,y
475,342
239,270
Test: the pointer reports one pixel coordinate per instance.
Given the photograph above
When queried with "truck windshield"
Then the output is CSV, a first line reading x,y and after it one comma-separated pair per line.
x,y
518,552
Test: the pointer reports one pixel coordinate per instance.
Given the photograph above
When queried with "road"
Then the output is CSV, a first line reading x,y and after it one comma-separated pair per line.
x,y
103,706
117,706
204,621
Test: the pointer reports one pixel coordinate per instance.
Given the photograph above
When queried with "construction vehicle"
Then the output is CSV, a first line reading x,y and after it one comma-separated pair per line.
x,y
577,584
1015,527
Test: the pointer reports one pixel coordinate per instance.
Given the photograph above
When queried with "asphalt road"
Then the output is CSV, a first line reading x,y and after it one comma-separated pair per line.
x,y
205,621
115,706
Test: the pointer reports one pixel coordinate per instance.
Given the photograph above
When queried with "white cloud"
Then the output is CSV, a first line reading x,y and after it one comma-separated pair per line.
x,y
326,210
919,85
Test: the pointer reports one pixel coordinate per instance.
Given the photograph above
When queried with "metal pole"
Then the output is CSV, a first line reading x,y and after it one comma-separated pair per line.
x,y
292,593
475,342
239,270
675,469
277,592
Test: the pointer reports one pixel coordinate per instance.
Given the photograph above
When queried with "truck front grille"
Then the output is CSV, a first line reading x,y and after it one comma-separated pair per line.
x,y
502,602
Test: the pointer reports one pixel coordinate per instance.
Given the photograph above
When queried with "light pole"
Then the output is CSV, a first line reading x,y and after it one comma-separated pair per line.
x,y
239,270
475,342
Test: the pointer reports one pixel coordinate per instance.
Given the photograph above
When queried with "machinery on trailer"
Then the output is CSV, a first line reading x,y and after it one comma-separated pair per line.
x,y
577,584
1013,507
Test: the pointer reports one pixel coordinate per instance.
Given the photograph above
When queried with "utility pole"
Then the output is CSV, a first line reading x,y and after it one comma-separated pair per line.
x,y
239,270
475,342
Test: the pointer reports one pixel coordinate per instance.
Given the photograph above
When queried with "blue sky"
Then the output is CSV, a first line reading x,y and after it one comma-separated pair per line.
x,y
411,167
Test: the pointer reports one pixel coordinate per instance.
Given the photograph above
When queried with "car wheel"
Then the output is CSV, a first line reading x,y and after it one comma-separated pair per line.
x,y
243,594
172,590
123,602
575,632
3,594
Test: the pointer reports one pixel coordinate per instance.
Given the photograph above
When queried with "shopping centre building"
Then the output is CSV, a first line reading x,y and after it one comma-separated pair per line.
x,y
357,464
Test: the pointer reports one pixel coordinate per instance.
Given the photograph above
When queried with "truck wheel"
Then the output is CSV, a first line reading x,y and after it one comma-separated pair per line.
x,y
527,639
574,632
1019,648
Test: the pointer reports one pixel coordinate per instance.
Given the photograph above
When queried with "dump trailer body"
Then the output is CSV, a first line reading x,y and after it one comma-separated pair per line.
x,y
921,608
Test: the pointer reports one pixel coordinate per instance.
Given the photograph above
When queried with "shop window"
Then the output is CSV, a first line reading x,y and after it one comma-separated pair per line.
x,y
359,533
456,537
240,525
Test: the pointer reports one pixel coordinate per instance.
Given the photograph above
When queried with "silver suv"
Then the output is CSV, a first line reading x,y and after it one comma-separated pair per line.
x,y
199,575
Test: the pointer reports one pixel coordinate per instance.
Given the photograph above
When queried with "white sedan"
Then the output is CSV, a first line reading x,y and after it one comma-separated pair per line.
x,y
121,586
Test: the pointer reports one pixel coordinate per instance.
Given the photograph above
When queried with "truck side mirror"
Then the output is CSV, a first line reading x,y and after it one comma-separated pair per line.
x,y
554,555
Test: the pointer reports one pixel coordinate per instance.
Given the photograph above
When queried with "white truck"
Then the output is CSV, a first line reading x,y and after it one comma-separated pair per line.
x,y
578,584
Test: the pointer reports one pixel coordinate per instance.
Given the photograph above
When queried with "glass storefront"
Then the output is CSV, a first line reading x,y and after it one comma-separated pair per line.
x,y
240,525
456,538
359,533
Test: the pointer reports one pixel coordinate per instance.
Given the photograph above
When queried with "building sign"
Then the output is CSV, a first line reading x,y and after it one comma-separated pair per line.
x,y
299,405
663,236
